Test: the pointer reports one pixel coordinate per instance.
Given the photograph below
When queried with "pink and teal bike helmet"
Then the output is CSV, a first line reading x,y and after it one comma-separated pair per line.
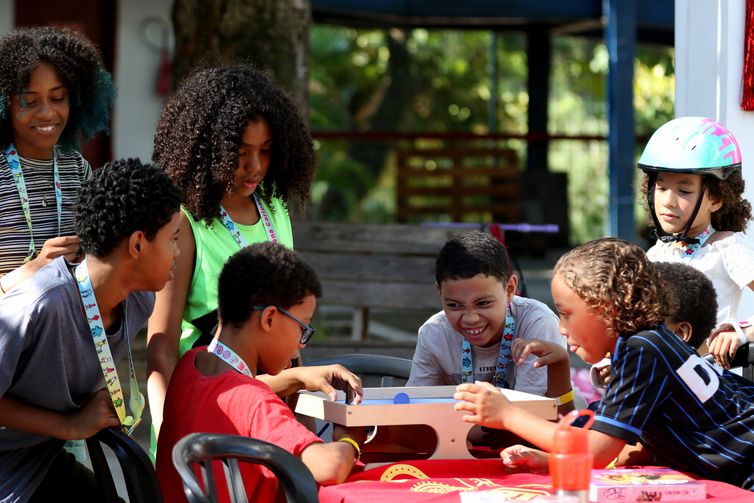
x,y
695,145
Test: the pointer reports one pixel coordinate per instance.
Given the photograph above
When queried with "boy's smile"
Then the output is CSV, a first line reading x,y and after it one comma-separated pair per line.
x,y
475,307
587,335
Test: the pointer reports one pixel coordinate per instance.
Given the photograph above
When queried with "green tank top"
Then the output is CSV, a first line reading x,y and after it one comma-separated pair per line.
x,y
214,245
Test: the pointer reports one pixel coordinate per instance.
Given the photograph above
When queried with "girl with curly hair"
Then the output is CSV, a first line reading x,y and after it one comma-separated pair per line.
x,y
611,299
239,152
53,89
694,190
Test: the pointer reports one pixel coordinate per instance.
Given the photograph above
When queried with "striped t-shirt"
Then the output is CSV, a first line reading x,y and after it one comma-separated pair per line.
x,y
14,232
693,414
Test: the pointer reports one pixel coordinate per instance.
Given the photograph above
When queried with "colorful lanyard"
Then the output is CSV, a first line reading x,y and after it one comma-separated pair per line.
x,y
264,216
229,356
136,399
14,162
702,238
503,357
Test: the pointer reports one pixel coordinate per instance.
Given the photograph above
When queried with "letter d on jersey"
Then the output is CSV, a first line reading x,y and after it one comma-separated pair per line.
x,y
700,376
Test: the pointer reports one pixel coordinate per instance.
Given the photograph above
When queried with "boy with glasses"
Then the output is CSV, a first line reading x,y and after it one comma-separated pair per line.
x,y
266,298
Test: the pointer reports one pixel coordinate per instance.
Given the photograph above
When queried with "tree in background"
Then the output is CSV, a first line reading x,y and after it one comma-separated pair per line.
x,y
272,34
437,80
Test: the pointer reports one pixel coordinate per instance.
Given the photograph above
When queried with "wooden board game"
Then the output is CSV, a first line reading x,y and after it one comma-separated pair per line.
x,y
429,405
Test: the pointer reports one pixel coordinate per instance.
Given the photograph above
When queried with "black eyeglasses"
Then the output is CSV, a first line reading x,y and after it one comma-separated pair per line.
x,y
306,330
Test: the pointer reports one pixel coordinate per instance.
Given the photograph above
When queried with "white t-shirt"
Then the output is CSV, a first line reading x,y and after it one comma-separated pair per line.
x,y
728,263
437,359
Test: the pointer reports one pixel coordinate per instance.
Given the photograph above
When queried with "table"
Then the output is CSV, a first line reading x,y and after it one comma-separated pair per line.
x,y
428,405
442,481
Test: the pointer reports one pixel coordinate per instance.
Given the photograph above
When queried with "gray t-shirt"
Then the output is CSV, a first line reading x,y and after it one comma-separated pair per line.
x,y
47,359
437,359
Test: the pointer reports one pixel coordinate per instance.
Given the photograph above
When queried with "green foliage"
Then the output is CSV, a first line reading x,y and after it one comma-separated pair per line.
x,y
438,81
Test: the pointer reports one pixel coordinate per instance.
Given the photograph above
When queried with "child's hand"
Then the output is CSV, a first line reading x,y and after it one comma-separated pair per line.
x,y
519,458
485,404
547,352
328,378
602,375
55,247
724,342
94,415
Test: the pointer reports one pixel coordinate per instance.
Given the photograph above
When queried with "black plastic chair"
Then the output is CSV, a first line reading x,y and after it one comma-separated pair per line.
x,y
138,472
202,448
743,358
390,370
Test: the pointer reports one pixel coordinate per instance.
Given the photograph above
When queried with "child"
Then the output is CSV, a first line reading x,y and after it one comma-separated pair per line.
x,y
692,313
53,356
692,308
267,296
694,188
239,152
485,332
610,300
53,89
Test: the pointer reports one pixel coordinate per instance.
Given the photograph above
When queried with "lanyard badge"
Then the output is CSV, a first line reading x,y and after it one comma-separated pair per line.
x,y
503,357
264,216
229,356
97,329
14,163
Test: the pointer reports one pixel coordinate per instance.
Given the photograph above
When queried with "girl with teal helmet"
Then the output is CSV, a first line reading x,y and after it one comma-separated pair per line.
x,y
693,145
694,189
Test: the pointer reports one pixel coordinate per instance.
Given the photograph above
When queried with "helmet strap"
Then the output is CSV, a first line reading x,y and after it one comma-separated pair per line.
x,y
658,232
684,236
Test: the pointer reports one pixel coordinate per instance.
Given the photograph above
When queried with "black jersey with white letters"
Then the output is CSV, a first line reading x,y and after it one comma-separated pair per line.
x,y
693,414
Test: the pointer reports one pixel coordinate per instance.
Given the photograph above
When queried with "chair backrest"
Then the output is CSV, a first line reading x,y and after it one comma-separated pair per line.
x,y
138,472
390,370
201,449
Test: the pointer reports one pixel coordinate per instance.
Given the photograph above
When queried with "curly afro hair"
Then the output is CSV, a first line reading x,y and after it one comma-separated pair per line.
x,y
123,197
735,212
618,283
263,274
471,253
201,128
78,63
695,299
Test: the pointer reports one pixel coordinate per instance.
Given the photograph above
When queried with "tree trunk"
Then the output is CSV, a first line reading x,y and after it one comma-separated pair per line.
x,y
271,34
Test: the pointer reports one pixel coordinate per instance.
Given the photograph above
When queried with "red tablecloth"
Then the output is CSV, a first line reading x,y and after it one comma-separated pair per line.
x,y
436,481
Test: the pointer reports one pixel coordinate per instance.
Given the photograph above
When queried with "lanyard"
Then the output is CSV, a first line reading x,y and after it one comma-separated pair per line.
x,y
14,162
97,329
264,216
229,356
702,238
503,357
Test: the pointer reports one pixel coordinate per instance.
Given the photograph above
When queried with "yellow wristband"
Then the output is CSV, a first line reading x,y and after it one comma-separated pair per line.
x,y
354,444
565,398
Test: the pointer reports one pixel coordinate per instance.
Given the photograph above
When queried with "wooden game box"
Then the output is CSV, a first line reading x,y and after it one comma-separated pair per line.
x,y
428,405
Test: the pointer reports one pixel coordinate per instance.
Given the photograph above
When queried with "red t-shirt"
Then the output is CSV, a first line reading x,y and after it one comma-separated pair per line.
x,y
228,403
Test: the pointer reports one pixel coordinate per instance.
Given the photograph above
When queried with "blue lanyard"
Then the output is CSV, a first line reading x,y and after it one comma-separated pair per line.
x,y
264,216
14,162
97,329
503,357
229,356
691,249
